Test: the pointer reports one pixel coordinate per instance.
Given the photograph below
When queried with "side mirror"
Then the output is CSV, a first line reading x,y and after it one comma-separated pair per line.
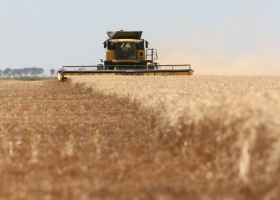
x,y
147,44
105,44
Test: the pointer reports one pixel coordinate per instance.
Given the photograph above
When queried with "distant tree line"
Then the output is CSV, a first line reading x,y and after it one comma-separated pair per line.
x,y
32,72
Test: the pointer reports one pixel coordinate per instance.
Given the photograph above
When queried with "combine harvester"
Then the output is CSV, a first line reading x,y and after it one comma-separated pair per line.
x,y
126,54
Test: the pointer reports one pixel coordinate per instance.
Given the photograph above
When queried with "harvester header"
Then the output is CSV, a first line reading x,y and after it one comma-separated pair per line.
x,y
126,54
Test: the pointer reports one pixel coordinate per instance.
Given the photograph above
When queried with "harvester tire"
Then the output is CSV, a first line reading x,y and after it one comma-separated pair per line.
x,y
151,66
109,68
100,67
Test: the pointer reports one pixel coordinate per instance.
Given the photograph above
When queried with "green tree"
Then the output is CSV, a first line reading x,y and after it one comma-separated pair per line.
x,y
26,71
7,72
41,71
36,71
52,71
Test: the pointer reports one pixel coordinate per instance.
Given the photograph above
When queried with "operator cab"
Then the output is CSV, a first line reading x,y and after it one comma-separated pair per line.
x,y
126,51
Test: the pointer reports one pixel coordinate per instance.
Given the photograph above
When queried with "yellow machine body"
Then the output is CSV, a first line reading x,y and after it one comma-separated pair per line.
x,y
111,53
126,54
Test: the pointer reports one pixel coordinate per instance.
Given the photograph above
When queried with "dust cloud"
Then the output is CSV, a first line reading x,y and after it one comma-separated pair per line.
x,y
244,44
251,64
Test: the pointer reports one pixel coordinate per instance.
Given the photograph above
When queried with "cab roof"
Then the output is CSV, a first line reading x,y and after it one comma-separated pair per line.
x,y
124,34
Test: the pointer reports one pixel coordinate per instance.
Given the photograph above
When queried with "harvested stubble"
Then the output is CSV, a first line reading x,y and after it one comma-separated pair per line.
x,y
63,142
226,127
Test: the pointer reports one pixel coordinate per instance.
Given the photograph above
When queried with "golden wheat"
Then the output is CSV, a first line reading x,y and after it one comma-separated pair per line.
x,y
130,137
233,120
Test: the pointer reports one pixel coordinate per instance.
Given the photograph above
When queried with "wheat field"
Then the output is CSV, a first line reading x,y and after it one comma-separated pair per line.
x,y
228,125
132,137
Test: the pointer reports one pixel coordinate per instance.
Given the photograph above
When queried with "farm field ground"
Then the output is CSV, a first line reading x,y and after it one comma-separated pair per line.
x,y
201,137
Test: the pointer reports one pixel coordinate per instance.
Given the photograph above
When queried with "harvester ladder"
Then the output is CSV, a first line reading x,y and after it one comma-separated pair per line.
x,y
151,54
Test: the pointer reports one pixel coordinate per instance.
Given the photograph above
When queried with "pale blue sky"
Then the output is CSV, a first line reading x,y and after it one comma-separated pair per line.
x,y
215,36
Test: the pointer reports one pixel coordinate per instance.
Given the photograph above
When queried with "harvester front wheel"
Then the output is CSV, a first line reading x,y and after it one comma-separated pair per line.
x,y
109,68
151,66
100,67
